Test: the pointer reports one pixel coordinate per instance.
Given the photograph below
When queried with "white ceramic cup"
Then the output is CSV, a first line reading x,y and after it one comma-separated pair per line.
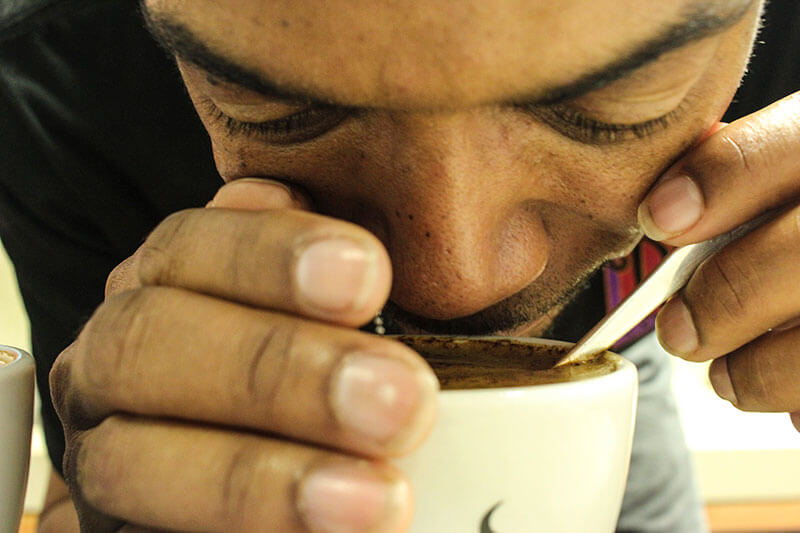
x,y
544,458
16,422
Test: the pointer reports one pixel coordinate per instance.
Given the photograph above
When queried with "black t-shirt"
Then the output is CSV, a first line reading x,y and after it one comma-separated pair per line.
x,y
99,142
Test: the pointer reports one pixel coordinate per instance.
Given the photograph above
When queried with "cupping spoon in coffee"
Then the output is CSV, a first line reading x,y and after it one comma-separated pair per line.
x,y
672,274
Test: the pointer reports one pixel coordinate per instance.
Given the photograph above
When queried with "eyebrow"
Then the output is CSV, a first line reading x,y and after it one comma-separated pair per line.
x,y
697,23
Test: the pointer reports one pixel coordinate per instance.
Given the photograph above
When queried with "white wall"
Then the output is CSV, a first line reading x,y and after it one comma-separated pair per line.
x,y
15,331
14,328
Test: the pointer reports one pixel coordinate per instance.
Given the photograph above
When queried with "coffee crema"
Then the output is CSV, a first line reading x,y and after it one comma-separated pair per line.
x,y
485,362
6,357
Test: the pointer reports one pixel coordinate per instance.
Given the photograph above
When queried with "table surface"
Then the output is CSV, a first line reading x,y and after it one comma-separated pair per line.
x,y
767,517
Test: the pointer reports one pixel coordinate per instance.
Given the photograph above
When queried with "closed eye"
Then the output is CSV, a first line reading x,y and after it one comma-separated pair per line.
x,y
298,127
577,126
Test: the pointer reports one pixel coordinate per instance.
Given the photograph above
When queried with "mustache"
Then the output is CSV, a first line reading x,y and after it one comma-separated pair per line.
x,y
513,312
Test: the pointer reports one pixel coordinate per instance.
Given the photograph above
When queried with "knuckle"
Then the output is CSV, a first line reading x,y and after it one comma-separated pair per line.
x,y
753,379
159,254
272,373
759,390
764,374
68,401
242,478
59,379
122,277
111,342
92,465
114,280
729,287
737,150
98,466
242,263
731,152
254,474
71,460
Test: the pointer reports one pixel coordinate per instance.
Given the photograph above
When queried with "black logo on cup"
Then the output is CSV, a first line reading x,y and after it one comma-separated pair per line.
x,y
485,527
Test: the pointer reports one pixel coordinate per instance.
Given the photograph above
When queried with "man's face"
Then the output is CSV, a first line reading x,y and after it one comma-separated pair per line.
x,y
498,148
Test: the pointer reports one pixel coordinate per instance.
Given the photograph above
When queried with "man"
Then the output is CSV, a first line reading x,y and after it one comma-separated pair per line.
x,y
458,166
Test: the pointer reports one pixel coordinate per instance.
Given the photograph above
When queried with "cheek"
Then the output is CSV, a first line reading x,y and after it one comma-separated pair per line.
x,y
612,180
602,184
233,157
621,175
235,160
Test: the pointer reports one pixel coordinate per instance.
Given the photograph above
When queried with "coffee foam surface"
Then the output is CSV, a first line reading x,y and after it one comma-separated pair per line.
x,y
468,363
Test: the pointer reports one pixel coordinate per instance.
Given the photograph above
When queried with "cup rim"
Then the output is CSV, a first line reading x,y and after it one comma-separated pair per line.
x,y
22,358
622,365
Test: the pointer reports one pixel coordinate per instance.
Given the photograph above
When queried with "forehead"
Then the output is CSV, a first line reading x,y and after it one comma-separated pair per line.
x,y
422,53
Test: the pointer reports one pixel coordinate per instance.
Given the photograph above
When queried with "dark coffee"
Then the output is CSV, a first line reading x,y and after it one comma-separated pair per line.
x,y
483,362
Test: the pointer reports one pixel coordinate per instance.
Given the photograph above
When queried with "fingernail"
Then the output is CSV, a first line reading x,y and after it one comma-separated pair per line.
x,y
674,206
381,398
721,380
336,275
351,499
676,330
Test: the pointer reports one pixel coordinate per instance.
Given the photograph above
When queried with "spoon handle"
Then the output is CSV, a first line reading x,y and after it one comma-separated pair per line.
x,y
672,274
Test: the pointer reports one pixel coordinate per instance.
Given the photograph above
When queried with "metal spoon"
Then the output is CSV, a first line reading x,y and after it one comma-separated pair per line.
x,y
672,274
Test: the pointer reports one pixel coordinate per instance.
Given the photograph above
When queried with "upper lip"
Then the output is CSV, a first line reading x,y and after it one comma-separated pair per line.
x,y
399,321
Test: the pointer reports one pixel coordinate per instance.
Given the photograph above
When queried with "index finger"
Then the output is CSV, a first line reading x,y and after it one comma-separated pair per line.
x,y
168,353
743,169
278,259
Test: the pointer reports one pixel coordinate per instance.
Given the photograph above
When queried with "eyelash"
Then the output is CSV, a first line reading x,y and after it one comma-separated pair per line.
x,y
295,128
307,124
573,124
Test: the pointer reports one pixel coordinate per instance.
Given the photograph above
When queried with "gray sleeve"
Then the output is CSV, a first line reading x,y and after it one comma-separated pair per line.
x,y
661,495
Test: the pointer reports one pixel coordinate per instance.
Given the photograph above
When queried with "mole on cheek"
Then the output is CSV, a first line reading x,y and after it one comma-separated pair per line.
x,y
244,157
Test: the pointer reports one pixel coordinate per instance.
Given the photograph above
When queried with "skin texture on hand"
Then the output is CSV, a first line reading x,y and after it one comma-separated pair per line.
x,y
245,403
741,306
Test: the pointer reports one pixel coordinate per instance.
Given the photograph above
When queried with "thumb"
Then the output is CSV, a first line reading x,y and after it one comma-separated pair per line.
x,y
259,193
711,131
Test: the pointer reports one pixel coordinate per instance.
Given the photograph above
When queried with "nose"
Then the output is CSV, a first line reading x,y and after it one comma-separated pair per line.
x,y
455,213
